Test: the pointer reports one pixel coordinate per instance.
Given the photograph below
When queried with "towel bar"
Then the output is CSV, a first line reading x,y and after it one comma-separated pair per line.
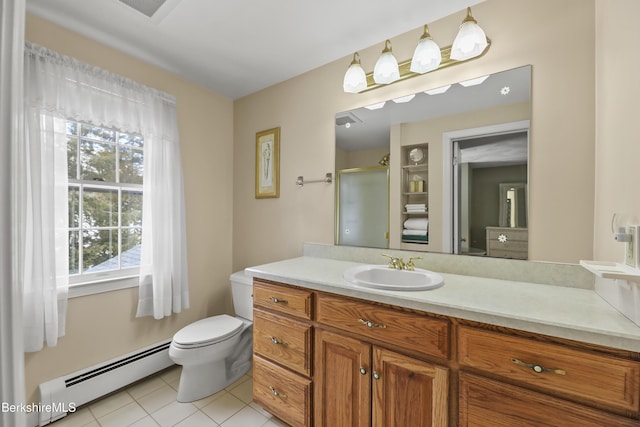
x,y
328,179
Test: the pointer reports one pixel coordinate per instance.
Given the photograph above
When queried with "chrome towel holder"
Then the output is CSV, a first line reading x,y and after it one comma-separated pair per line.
x,y
328,179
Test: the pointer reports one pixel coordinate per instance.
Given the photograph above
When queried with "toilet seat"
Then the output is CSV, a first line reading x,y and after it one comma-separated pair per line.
x,y
207,331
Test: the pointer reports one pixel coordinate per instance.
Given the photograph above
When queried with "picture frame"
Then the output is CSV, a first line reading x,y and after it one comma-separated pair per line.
x,y
268,163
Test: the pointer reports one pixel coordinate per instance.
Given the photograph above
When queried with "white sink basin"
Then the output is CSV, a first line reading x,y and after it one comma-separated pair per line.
x,y
383,277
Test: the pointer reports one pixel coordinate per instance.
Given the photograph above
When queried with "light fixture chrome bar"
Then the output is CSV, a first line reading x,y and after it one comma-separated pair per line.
x,y
328,179
406,73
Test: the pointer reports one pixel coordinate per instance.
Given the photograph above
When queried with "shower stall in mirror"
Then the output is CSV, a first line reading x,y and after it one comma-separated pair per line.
x,y
362,207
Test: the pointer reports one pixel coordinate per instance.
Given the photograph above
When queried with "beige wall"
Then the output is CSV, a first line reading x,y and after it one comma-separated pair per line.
x,y
103,326
556,38
617,113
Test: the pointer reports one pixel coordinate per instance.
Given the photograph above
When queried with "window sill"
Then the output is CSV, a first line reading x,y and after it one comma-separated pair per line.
x,y
98,287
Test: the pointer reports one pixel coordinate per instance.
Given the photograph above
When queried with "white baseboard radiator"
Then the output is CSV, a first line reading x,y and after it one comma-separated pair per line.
x,y
62,395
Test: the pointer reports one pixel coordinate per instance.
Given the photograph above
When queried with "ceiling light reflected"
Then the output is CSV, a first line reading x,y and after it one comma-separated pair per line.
x,y
505,90
377,106
438,90
473,82
404,99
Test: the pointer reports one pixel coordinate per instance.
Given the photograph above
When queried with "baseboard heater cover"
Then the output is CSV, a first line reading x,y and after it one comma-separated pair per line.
x,y
62,395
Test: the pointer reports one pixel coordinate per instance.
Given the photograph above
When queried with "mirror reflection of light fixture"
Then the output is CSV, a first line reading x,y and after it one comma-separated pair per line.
x,y
427,56
474,82
375,106
438,90
386,70
355,80
404,99
470,41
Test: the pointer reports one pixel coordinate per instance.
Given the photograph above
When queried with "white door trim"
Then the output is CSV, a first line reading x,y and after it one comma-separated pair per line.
x,y
449,227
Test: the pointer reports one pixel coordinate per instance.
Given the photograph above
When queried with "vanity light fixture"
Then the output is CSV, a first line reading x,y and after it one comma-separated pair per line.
x,y
355,80
386,70
427,56
471,42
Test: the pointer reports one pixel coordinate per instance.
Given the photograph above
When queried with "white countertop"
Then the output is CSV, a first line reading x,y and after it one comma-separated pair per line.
x,y
564,312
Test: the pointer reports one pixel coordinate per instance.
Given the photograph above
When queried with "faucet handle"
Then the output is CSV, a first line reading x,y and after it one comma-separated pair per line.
x,y
392,260
409,265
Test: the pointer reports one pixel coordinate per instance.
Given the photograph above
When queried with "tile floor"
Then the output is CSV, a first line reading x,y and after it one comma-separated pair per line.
x,y
152,402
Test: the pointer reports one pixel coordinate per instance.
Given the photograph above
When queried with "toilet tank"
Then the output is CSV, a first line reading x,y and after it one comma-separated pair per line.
x,y
242,290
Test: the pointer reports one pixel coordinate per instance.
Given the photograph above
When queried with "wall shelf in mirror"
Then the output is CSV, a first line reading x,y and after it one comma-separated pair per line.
x,y
415,194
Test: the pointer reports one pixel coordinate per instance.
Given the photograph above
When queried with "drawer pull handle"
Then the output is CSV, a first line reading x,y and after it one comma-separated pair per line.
x,y
363,371
276,341
278,300
376,375
538,368
370,324
277,393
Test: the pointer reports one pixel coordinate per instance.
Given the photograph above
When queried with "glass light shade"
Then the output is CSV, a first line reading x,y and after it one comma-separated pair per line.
x,y
386,69
355,79
427,56
470,41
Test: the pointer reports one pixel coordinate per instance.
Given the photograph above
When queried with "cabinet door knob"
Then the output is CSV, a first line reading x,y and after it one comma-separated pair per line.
x,y
376,375
277,393
538,369
370,324
278,300
276,341
363,371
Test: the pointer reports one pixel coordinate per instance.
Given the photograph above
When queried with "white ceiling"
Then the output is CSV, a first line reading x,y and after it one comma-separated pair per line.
x,y
237,47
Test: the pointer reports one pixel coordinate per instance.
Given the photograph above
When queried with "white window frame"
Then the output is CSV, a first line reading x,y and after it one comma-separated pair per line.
x,y
109,280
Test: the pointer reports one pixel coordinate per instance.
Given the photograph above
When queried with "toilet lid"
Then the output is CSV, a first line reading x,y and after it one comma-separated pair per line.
x,y
210,330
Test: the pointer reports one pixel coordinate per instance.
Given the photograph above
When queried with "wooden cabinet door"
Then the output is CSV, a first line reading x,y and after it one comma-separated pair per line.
x,y
342,381
408,392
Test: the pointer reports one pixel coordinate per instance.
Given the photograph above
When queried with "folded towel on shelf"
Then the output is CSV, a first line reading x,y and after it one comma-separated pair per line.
x,y
406,232
416,224
416,239
415,206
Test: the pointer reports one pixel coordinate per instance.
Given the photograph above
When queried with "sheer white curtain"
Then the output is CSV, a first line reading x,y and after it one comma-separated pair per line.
x,y
57,88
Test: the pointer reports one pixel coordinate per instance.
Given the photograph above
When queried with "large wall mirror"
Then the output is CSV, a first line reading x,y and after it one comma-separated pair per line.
x,y
470,184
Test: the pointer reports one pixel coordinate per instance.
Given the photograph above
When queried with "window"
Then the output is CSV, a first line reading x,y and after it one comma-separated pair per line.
x,y
105,202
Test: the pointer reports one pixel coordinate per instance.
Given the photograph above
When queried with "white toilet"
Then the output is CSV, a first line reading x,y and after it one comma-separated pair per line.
x,y
216,351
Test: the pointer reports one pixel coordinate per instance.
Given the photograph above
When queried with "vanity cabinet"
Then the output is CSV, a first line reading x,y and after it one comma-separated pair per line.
x,y
385,388
282,347
328,360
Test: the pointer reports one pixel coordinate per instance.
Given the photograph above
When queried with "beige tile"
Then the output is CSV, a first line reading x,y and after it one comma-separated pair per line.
x,y
145,387
275,422
158,398
80,418
243,391
223,408
173,413
171,374
204,402
124,416
199,419
247,416
145,422
109,404
260,409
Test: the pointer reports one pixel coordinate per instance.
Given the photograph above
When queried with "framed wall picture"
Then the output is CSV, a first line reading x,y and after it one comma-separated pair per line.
x,y
268,163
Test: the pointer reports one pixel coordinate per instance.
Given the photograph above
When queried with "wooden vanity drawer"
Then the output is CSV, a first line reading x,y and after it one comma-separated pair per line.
x,y
295,302
282,393
488,403
411,331
283,340
560,370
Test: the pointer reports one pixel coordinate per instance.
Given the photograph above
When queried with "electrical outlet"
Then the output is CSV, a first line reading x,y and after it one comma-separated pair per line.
x,y
630,249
